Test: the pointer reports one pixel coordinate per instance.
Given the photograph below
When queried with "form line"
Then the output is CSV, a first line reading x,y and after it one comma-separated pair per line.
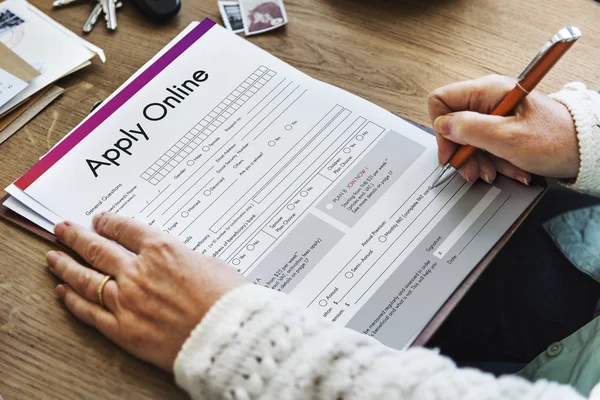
x,y
157,196
187,202
267,95
412,194
399,236
269,113
293,158
287,108
486,222
174,191
191,186
332,279
209,206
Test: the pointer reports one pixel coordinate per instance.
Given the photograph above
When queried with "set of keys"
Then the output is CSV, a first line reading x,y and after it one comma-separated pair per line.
x,y
106,7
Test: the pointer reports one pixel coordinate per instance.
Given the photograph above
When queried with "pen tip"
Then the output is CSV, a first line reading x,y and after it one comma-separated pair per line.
x,y
446,172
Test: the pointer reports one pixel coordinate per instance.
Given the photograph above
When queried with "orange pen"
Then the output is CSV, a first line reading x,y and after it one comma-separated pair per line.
x,y
543,62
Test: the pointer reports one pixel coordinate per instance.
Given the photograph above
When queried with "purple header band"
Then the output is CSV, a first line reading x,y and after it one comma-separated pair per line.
x,y
107,109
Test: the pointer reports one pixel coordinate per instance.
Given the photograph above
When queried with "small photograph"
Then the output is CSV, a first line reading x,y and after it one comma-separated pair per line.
x,y
262,15
8,21
232,15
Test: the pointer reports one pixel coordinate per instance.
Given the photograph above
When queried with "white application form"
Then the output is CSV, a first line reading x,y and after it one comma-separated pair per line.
x,y
303,187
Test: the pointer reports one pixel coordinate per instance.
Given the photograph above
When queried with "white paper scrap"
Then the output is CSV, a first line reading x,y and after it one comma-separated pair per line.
x,y
10,86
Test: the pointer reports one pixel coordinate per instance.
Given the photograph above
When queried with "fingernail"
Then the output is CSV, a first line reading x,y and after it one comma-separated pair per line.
x,y
524,180
486,178
95,220
442,124
61,291
61,228
51,257
466,176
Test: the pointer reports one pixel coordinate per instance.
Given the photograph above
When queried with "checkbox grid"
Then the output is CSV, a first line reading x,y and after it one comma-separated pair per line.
x,y
207,125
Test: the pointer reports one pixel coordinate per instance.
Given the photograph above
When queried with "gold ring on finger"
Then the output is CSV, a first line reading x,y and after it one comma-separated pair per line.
x,y
101,289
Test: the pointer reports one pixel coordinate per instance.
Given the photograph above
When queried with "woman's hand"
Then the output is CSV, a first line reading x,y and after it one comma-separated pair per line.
x,y
160,291
539,138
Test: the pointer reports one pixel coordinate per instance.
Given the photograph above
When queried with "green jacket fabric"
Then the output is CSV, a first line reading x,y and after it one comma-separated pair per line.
x,y
574,360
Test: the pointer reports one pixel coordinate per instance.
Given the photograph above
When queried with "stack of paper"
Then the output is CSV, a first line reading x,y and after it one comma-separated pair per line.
x,y
35,51
303,187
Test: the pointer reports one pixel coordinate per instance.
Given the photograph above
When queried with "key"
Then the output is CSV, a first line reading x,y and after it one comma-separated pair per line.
x,y
110,13
93,18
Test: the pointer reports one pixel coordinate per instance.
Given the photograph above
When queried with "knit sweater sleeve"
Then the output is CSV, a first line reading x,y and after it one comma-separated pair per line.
x,y
256,343
584,106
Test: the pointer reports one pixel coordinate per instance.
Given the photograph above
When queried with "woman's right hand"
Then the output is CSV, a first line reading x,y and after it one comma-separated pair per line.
x,y
539,138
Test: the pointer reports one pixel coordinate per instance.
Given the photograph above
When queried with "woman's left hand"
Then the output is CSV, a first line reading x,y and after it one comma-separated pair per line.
x,y
160,290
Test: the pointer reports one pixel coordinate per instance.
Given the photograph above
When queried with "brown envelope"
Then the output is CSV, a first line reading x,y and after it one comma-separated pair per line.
x,y
27,111
14,113
15,65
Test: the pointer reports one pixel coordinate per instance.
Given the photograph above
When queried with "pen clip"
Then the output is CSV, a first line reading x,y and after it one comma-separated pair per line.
x,y
567,34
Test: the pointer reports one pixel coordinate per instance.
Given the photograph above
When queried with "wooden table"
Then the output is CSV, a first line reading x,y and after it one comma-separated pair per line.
x,y
390,52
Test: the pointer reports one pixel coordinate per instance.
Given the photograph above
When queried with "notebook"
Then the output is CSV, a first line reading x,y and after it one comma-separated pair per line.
x,y
303,187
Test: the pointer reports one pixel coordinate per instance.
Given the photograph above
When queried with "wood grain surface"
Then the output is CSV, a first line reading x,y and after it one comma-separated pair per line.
x,y
390,52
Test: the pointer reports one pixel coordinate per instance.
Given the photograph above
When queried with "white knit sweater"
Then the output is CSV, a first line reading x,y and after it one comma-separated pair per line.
x,y
256,343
